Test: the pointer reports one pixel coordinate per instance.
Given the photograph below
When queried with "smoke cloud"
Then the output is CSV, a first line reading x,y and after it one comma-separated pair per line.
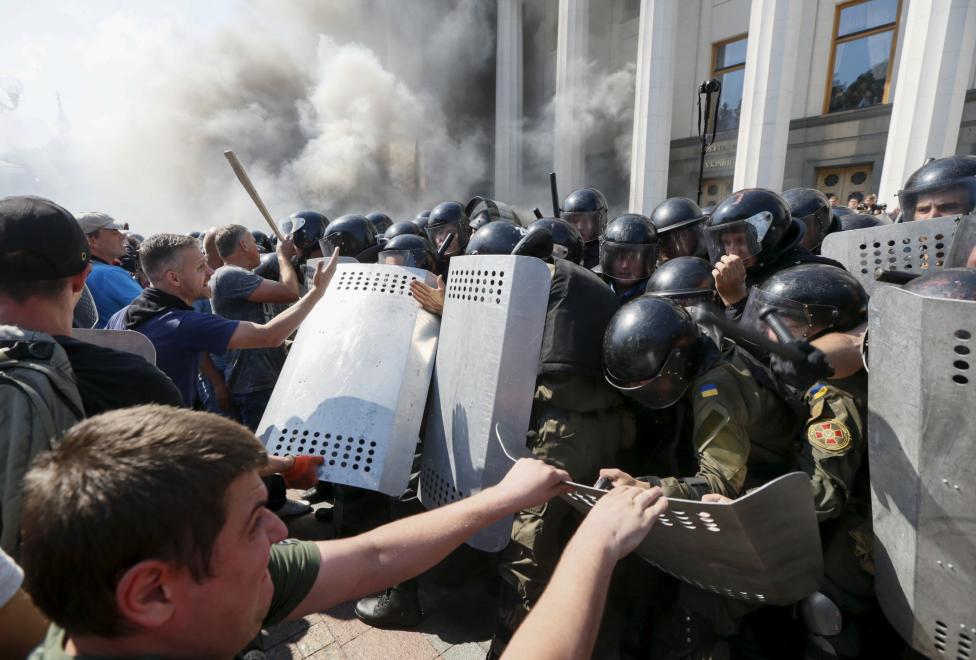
x,y
344,107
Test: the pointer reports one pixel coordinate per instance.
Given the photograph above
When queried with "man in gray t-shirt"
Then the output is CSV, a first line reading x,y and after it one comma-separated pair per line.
x,y
240,295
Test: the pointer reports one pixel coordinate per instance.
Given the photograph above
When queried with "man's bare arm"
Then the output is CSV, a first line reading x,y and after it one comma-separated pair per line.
x,y
23,624
843,350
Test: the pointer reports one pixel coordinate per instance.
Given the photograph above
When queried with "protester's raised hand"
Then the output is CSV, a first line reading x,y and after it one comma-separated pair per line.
x,y
730,279
715,498
325,271
429,298
529,483
620,478
286,248
623,517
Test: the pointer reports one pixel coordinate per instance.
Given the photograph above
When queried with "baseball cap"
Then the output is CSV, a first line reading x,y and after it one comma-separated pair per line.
x,y
39,240
92,221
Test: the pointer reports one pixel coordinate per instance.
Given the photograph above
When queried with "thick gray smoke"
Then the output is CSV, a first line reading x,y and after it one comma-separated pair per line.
x,y
340,106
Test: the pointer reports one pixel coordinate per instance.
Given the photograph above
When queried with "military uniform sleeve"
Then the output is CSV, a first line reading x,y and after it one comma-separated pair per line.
x,y
293,565
832,451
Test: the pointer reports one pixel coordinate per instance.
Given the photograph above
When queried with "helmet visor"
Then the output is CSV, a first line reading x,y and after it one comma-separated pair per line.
x,y
560,251
681,242
416,258
627,262
817,224
742,238
962,250
802,320
438,235
956,197
291,225
663,389
587,223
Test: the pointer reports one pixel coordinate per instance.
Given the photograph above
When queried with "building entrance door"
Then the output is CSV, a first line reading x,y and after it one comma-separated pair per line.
x,y
715,190
842,181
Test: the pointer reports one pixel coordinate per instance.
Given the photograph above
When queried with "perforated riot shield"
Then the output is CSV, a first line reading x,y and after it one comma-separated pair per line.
x,y
129,341
962,250
763,548
487,362
921,421
910,246
356,379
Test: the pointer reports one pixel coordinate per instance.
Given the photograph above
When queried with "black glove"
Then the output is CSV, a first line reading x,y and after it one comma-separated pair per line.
x,y
802,375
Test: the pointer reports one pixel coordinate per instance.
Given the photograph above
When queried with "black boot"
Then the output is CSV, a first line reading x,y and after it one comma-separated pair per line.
x,y
397,607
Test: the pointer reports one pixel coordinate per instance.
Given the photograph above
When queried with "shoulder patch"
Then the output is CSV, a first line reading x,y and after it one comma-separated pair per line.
x,y
708,390
829,435
817,391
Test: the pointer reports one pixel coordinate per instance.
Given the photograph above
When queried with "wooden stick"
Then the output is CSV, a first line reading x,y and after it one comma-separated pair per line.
x,y
252,191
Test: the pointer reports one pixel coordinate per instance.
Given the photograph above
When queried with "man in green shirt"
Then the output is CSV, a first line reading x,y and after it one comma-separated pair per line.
x,y
146,534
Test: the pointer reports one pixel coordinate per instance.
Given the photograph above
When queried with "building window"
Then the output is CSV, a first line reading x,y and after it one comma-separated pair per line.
x,y
862,54
729,66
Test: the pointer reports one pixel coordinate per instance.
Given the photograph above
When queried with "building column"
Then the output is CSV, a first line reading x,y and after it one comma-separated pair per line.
x,y
651,146
933,73
767,94
572,36
508,100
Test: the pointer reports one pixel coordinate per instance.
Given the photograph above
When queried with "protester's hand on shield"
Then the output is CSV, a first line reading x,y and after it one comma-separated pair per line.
x,y
529,483
303,472
730,279
716,498
429,298
324,272
286,248
623,517
620,478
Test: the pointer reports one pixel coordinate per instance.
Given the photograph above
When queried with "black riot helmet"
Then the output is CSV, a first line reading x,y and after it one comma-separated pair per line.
x,y
401,228
380,221
411,251
495,238
679,221
482,210
306,228
752,224
942,187
479,220
586,209
448,218
421,219
685,280
628,249
811,207
850,221
566,241
352,234
650,350
952,283
263,241
810,299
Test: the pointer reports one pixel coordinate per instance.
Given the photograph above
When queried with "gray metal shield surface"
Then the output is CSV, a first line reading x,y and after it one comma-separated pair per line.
x,y
921,431
356,379
910,246
763,548
487,362
962,251
129,341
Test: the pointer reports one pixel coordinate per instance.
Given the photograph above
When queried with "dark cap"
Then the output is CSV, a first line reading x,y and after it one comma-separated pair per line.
x,y
39,240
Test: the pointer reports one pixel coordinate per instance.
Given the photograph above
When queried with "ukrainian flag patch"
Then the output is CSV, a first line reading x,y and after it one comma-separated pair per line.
x,y
817,391
708,390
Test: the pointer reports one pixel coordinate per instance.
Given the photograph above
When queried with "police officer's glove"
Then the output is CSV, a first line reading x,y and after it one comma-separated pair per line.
x,y
802,374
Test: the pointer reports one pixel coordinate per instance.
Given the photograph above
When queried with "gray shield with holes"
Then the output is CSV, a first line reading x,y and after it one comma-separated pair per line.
x,y
356,379
763,548
909,246
921,421
129,341
487,362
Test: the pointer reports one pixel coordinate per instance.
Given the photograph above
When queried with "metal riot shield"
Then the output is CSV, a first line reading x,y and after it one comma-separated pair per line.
x,y
487,363
129,341
356,379
921,421
962,250
763,548
910,246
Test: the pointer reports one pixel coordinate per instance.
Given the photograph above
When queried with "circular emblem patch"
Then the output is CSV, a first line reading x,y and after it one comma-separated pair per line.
x,y
829,435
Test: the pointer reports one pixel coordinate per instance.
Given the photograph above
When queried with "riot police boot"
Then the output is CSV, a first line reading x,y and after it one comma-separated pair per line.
x,y
397,607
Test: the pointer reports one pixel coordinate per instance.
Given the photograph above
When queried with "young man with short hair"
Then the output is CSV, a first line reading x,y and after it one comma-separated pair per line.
x,y
111,285
173,552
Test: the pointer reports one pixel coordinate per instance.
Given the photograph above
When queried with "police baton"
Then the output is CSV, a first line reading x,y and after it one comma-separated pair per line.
x,y
446,244
746,335
555,194
894,276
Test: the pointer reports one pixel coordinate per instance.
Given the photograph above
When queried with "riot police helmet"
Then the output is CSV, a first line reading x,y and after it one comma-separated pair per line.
x,y
566,241
850,221
495,238
448,218
401,228
679,221
650,350
306,228
409,250
351,233
421,219
751,224
810,299
810,206
479,220
951,283
628,249
380,221
686,280
941,187
586,209
262,240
